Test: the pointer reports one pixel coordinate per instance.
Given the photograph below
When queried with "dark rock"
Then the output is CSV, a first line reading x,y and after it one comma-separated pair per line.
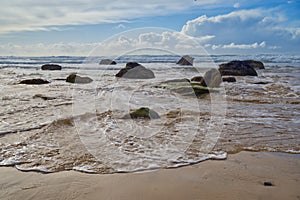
x,y
193,89
261,83
197,79
43,97
212,78
255,64
74,78
200,80
185,60
230,79
51,67
267,183
59,79
237,68
199,90
107,62
134,70
34,81
142,113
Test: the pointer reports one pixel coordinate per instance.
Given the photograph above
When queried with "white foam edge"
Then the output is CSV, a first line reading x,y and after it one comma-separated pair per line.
x,y
9,162
85,169
37,169
218,156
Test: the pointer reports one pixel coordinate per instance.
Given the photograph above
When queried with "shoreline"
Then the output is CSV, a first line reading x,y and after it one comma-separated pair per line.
x,y
240,176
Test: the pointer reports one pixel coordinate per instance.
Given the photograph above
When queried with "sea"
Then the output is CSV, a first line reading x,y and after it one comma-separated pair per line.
x,y
63,126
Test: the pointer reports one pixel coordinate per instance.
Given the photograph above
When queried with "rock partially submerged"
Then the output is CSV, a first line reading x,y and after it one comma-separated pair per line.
x,y
237,68
74,78
191,90
51,67
255,64
37,81
229,79
185,60
43,97
261,82
134,70
142,113
107,62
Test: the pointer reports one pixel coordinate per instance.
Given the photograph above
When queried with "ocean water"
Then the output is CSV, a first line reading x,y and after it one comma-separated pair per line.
x,y
62,126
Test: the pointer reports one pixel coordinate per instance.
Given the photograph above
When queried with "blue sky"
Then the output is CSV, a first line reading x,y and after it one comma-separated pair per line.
x,y
65,27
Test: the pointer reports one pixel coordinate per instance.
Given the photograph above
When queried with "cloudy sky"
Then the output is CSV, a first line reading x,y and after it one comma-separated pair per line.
x,y
76,27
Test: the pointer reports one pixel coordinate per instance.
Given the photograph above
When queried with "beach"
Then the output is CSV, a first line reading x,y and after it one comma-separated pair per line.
x,y
158,100
64,140
241,176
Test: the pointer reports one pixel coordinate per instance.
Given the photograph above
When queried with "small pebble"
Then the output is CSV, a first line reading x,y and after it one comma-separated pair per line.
x,y
268,183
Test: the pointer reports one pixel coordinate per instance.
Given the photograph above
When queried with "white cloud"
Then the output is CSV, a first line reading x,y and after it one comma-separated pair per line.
x,y
120,26
295,32
32,15
238,30
158,39
133,40
240,46
240,23
196,26
236,5
42,49
241,29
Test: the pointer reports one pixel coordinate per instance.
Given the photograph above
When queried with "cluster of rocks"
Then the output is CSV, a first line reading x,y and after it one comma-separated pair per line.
x,y
227,71
213,78
198,85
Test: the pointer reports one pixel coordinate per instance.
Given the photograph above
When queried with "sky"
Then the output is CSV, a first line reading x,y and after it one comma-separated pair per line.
x,y
77,27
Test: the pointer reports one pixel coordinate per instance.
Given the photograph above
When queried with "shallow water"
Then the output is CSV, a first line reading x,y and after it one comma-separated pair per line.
x,y
80,127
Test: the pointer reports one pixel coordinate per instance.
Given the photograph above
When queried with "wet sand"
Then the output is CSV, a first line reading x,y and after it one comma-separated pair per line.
x,y
241,176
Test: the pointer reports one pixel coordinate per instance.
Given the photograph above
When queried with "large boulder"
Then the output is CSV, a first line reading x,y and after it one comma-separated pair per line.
x,y
107,62
237,68
255,64
142,113
185,60
74,78
37,81
51,67
134,70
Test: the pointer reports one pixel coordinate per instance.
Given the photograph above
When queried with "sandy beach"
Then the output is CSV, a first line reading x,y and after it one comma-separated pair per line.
x,y
158,100
241,176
